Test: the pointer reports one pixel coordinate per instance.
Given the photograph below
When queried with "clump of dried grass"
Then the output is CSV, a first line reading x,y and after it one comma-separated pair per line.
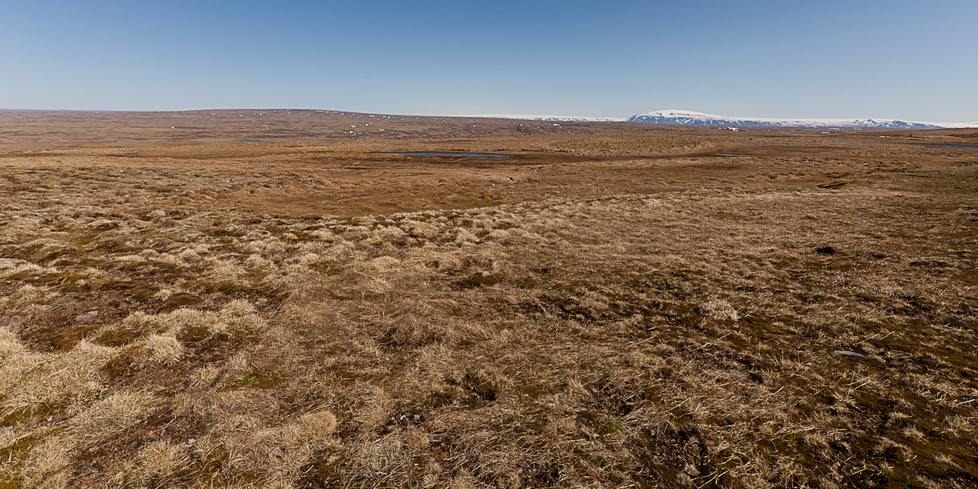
x,y
111,415
379,463
247,441
49,463
30,379
240,317
719,309
10,345
162,349
227,273
157,461
15,267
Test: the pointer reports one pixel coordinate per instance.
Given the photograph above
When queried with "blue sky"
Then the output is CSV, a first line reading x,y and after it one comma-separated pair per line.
x,y
898,59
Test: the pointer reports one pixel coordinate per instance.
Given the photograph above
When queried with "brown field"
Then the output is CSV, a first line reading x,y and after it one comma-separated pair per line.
x,y
616,305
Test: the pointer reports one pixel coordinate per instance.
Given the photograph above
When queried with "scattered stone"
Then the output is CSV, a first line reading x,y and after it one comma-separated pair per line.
x,y
847,353
88,316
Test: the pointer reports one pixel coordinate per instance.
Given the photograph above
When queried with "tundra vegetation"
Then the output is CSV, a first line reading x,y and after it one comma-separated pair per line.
x,y
618,305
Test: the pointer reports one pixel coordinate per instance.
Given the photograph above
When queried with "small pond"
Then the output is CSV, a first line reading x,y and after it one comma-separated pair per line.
x,y
430,153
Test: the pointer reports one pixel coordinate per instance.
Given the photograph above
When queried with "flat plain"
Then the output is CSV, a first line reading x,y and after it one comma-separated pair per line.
x,y
263,298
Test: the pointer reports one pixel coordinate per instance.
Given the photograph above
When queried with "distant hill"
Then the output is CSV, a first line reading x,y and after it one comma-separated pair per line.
x,y
688,118
547,118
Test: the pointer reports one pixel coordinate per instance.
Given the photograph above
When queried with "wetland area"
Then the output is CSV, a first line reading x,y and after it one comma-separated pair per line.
x,y
265,299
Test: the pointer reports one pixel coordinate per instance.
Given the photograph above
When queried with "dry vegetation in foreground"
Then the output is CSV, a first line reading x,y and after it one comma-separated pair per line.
x,y
581,316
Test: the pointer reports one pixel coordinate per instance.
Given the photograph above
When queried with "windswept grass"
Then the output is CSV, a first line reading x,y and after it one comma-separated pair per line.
x,y
757,335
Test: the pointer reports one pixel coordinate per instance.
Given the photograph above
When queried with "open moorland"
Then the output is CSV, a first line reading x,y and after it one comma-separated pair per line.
x,y
266,299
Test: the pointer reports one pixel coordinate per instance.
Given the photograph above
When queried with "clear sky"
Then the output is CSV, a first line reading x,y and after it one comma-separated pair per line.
x,y
893,59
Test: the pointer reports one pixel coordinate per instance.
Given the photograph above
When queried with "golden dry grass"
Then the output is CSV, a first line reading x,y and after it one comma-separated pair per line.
x,y
612,309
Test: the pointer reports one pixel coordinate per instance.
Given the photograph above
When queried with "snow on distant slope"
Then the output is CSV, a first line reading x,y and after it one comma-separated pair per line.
x,y
685,117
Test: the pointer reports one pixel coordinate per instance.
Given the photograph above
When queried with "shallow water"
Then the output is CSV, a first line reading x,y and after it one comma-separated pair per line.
x,y
430,153
251,141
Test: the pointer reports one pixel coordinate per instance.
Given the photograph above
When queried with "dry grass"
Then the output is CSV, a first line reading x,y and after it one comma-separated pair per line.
x,y
566,336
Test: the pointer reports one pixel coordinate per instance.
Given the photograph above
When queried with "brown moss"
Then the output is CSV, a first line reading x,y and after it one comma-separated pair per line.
x,y
480,279
60,336
181,299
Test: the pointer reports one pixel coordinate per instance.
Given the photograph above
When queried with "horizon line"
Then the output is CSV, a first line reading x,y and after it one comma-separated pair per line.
x,y
946,124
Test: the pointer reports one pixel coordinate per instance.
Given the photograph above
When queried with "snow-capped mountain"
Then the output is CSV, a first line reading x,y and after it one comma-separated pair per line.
x,y
685,117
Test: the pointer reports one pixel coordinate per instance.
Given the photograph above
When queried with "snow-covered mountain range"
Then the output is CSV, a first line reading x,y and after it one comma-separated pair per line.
x,y
685,117
689,118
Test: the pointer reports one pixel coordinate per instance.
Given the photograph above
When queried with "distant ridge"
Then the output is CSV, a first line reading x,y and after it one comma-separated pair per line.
x,y
676,117
689,118
550,118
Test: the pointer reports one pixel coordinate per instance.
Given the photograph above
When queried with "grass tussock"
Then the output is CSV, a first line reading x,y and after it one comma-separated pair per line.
x,y
724,336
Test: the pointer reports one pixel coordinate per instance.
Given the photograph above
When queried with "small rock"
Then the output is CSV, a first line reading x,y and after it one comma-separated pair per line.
x,y
84,318
847,353
6,430
737,373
